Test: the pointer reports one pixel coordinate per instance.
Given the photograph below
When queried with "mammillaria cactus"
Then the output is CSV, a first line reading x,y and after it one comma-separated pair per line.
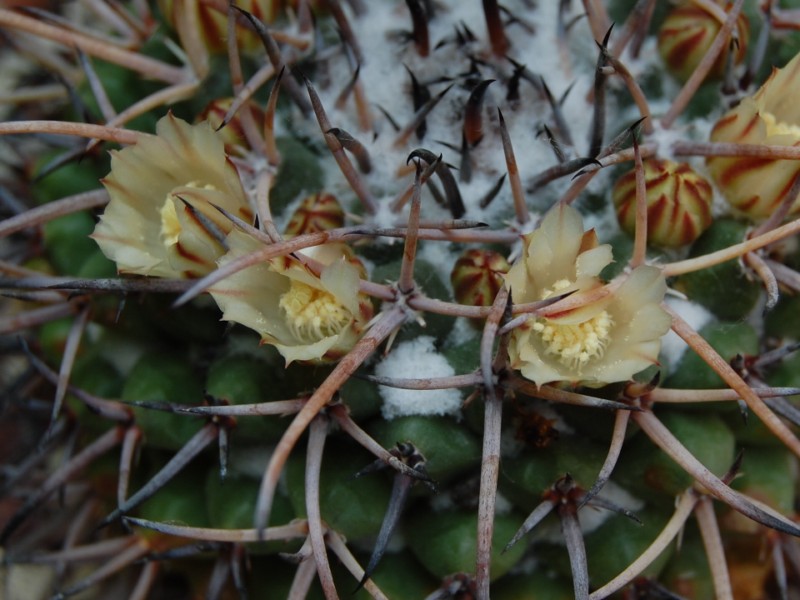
x,y
446,367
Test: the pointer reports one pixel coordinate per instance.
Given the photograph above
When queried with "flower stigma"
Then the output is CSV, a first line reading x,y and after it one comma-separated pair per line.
x,y
313,314
574,344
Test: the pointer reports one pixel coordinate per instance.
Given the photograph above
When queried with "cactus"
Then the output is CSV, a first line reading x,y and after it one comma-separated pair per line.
x,y
448,242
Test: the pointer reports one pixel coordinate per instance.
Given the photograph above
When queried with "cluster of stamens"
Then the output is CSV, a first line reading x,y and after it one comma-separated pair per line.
x,y
311,313
574,344
776,127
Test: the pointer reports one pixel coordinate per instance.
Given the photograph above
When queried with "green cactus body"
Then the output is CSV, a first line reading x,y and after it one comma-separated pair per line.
x,y
411,246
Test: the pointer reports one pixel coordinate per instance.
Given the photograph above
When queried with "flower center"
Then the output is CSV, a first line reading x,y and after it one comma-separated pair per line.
x,y
574,344
775,127
313,314
170,224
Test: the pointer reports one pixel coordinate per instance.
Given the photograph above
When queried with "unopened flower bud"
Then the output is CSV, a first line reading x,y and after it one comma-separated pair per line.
x,y
233,133
686,35
477,276
678,202
755,185
213,22
317,212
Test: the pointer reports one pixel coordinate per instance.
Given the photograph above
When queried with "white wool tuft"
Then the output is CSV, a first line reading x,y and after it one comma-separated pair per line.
x,y
416,359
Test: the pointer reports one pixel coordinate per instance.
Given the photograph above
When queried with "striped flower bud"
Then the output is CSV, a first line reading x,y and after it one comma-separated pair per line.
x,y
233,133
317,212
214,23
477,276
753,185
686,35
678,202
162,218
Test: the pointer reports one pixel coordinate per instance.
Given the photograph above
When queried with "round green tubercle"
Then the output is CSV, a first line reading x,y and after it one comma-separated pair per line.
x,y
786,374
769,475
728,339
352,506
92,373
782,321
447,446
164,378
445,543
72,178
533,586
97,266
271,577
67,242
400,576
752,430
231,504
177,501
526,476
196,322
647,472
464,357
361,397
124,87
724,289
619,541
687,573
299,172
245,379
53,338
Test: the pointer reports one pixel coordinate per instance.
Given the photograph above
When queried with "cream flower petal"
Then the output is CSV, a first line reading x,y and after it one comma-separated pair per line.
x,y
143,229
517,281
591,262
644,285
533,365
341,279
307,352
648,323
555,245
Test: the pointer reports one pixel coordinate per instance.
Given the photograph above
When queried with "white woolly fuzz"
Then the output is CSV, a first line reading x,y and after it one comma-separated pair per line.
x,y
416,359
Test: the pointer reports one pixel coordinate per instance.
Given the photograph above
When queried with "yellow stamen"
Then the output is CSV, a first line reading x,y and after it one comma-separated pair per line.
x,y
170,225
775,127
574,344
313,314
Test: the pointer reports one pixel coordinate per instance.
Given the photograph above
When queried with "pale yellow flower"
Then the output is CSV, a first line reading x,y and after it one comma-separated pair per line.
x,y
604,341
306,317
161,219
771,117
